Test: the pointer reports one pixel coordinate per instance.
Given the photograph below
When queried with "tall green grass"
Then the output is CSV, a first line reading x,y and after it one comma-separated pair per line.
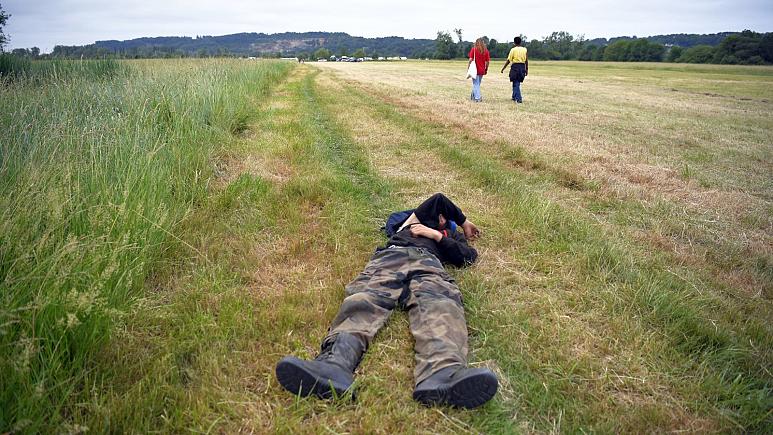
x,y
99,164
17,67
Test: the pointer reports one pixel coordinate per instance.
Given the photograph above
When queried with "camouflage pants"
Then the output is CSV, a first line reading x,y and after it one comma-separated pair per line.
x,y
416,281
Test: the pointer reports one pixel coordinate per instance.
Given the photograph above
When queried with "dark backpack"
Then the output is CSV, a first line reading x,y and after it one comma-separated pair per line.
x,y
394,221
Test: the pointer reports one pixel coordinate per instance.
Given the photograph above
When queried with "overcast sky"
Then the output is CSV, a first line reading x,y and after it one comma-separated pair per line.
x,y
45,23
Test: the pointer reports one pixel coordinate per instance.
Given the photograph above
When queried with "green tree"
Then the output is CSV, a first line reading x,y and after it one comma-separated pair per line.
x,y
697,54
637,50
617,51
766,47
360,52
3,19
444,46
498,49
460,46
322,53
642,50
743,48
537,50
654,52
562,45
599,54
492,46
458,33
674,53
588,52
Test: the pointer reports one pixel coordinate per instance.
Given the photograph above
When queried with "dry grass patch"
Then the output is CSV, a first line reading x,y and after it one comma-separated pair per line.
x,y
273,169
390,150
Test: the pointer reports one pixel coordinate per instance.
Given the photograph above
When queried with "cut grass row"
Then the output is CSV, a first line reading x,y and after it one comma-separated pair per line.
x,y
700,335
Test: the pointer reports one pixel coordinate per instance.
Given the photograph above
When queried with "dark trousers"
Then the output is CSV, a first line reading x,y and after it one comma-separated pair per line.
x,y
517,75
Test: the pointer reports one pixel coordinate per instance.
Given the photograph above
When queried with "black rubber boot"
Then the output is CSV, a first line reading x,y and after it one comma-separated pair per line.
x,y
329,374
457,386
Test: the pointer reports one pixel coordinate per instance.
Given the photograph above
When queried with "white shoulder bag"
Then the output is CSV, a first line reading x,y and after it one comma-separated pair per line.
x,y
472,70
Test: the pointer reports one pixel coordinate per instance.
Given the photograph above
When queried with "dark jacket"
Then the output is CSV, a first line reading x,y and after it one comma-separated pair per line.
x,y
452,248
518,72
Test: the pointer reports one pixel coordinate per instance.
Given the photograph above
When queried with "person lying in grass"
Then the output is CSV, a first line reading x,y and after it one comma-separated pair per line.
x,y
407,273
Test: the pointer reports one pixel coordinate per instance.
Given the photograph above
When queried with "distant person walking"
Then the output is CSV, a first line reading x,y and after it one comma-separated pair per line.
x,y
480,55
519,69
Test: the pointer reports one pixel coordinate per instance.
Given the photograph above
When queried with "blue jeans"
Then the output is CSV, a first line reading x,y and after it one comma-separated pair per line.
x,y
517,91
476,88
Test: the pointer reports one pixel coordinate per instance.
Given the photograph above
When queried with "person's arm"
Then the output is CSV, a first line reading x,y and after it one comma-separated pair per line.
x,y
507,62
471,231
453,248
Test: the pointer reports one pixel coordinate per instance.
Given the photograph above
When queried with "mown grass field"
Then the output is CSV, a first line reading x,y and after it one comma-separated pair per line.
x,y
170,229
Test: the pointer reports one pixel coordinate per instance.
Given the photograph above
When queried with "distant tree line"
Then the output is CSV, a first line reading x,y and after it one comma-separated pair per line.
x,y
680,39
289,44
746,48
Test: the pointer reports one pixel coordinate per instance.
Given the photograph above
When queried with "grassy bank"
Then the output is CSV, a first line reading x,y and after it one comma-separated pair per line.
x,y
187,224
101,163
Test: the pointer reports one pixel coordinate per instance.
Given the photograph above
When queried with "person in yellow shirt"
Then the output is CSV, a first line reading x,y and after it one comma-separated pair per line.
x,y
519,69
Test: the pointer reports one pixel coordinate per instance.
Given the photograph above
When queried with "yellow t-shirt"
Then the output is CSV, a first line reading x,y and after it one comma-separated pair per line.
x,y
517,55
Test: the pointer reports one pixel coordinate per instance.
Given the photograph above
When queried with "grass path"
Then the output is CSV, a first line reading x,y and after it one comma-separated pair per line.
x,y
586,328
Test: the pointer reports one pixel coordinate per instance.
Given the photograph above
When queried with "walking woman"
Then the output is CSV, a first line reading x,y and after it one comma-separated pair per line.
x,y
520,68
480,55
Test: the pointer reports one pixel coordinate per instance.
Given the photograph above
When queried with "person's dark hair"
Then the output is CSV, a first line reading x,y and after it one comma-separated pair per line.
x,y
517,40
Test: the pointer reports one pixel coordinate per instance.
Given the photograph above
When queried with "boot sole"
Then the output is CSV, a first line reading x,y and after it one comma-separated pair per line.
x,y
295,378
470,392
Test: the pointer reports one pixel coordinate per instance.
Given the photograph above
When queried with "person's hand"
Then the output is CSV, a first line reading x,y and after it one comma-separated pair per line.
x,y
503,70
471,232
420,230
